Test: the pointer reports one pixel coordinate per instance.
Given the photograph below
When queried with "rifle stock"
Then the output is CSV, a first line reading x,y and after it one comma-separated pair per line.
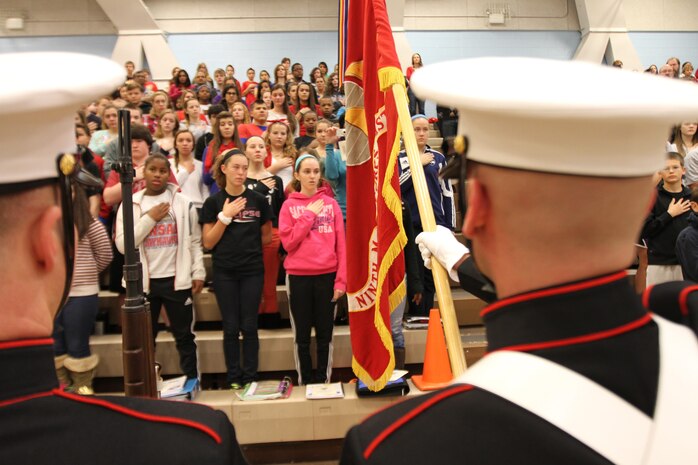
x,y
138,356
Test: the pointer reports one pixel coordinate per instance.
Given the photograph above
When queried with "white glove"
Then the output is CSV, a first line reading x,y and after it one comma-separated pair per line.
x,y
444,246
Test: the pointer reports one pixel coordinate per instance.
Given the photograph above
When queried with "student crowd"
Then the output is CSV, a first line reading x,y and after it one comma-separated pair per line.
x,y
251,172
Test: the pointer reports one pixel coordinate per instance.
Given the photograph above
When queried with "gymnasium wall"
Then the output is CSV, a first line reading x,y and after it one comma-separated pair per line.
x,y
258,34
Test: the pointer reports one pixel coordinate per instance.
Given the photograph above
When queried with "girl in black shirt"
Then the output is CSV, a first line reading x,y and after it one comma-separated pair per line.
x,y
270,186
236,224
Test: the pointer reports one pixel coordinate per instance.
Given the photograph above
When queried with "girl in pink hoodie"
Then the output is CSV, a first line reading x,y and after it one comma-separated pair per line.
x,y
311,228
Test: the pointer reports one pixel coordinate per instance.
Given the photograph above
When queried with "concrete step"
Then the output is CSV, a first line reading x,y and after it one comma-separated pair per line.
x,y
297,418
275,350
266,422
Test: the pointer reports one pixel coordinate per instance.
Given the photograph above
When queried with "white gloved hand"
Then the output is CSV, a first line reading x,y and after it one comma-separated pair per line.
x,y
442,245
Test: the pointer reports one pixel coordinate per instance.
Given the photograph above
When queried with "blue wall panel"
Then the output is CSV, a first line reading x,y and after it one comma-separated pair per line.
x,y
263,50
435,46
259,50
95,45
656,47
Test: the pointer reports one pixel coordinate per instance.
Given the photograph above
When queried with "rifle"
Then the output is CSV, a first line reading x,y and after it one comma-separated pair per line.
x,y
138,356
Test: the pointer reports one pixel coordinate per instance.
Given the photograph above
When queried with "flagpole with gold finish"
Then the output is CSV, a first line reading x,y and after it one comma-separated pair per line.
x,y
426,213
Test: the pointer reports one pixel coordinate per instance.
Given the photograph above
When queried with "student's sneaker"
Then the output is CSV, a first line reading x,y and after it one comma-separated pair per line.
x,y
158,376
235,386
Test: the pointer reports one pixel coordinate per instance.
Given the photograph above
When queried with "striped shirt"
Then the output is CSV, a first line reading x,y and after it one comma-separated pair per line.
x,y
93,255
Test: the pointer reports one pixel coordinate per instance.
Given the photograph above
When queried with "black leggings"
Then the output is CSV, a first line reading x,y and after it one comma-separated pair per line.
x,y
312,306
238,299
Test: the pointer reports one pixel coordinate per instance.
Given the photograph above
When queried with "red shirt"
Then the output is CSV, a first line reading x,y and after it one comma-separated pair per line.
x,y
251,97
151,86
210,159
115,178
245,131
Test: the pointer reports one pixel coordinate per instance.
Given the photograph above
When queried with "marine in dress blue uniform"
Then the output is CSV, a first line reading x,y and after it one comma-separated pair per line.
x,y
547,162
40,423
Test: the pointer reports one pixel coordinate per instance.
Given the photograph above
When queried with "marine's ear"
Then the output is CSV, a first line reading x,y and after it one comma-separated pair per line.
x,y
478,208
45,238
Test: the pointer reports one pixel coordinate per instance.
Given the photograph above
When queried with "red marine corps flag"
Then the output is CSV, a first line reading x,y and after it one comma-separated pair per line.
x,y
376,237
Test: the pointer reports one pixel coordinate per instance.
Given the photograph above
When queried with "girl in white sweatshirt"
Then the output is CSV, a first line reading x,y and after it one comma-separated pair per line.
x,y
168,237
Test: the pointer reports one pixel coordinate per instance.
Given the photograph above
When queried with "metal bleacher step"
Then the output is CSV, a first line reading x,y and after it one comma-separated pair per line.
x,y
275,350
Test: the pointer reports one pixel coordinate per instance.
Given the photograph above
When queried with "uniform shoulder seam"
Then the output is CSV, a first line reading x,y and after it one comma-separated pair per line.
x,y
412,414
140,415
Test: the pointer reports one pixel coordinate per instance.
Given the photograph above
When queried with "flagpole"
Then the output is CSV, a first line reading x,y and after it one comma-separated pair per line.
x,y
426,213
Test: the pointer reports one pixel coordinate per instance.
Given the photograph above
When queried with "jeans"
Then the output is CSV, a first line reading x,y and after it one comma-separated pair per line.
x,y
396,324
181,315
238,299
73,325
416,105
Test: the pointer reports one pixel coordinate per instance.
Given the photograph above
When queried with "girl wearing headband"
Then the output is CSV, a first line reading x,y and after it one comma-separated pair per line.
x,y
236,224
312,232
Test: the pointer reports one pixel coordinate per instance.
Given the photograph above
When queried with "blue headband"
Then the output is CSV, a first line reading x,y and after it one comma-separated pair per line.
x,y
303,157
419,116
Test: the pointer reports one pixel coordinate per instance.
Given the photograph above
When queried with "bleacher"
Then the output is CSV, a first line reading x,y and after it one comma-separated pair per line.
x,y
294,420
276,345
266,422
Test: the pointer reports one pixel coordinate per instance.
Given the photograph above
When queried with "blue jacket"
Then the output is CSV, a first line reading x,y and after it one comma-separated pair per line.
x,y
440,191
687,249
336,173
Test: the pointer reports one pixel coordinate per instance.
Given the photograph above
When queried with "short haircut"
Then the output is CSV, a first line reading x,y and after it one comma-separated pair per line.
x,y
157,156
257,103
140,132
294,66
133,86
133,107
213,110
305,114
675,156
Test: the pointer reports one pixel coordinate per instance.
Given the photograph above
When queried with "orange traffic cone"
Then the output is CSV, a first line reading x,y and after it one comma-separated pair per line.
x,y
437,368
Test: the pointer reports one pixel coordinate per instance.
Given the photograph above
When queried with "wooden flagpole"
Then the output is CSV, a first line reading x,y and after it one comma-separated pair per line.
x,y
426,213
